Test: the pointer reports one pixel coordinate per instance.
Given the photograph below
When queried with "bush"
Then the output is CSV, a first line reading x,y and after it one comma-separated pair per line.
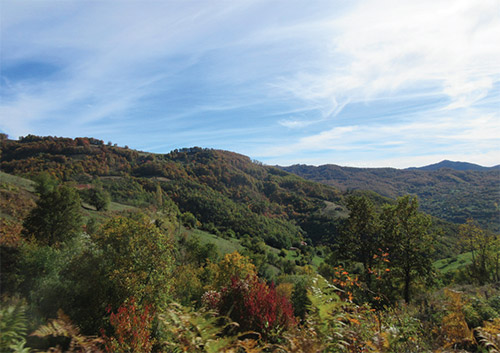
x,y
256,306
188,220
494,302
132,329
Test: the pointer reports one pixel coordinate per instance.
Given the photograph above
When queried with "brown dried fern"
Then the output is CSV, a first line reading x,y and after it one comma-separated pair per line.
x,y
488,337
63,327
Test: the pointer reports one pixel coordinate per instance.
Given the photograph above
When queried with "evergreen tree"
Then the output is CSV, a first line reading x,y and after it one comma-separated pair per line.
x,y
45,183
56,217
99,199
359,240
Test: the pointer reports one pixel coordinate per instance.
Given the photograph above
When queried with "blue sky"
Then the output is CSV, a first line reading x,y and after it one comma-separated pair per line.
x,y
360,83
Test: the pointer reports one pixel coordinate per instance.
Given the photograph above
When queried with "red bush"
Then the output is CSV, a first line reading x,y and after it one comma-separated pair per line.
x,y
256,306
132,329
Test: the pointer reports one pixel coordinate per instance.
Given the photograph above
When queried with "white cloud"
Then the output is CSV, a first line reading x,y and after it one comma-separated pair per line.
x,y
294,123
432,64
461,134
383,46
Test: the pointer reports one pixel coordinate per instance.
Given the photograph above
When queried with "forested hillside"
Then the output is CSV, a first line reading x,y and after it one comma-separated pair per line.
x,y
456,166
219,188
108,249
449,194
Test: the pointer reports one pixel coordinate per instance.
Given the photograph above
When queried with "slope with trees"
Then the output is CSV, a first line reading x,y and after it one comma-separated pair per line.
x,y
449,194
142,279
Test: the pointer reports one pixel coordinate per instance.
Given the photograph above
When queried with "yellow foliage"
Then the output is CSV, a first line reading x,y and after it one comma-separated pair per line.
x,y
187,284
454,328
488,336
233,265
285,290
63,327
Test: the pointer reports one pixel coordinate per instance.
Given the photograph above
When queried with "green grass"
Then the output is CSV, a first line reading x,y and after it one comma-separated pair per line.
x,y
17,181
115,206
292,254
225,246
316,261
453,263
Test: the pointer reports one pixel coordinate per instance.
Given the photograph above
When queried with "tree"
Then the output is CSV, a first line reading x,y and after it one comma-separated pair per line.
x,y
406,235
484,251
45,183
139,258
56,217
360,237
99,198
233,265
300,300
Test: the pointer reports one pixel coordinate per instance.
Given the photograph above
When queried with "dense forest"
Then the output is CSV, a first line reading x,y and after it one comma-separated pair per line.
x,y
108,249
448,190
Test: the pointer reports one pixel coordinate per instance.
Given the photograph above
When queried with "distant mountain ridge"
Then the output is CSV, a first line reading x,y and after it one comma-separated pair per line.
x,y
454,191
455,166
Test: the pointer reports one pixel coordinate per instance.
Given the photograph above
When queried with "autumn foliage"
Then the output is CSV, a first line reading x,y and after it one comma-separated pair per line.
x,y
132,329
256,306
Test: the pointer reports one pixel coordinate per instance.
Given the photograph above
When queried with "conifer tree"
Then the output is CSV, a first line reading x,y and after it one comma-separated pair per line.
x,y
56,217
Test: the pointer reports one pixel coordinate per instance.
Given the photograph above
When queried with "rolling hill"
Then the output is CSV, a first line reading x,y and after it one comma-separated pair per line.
x,y
225,191
228,193
456,166
451,194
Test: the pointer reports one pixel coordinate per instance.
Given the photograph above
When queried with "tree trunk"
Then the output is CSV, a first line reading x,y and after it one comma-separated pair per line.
x,y
407,286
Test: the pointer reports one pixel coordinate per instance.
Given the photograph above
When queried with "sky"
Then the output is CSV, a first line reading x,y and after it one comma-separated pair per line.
x,y
371,83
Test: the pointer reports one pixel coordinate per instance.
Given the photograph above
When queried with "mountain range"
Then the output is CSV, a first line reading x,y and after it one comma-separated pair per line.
x,y
229,191
453,191
456,166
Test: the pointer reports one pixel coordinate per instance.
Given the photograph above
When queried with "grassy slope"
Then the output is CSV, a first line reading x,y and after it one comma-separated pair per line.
x,y
453,263
16,197
19,182
225,246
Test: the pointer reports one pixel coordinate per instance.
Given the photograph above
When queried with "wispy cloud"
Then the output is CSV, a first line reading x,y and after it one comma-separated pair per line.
x,y
278,83
380,48
465,133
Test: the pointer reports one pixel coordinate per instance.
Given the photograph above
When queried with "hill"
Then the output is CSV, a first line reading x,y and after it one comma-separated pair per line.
x,y
455,166
200,229
225,191
228,193
450,194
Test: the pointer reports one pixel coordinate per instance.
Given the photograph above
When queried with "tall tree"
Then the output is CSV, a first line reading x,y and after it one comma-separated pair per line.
x,y
360,236
56,217
406,235
99,198
139,258
484,249
45,183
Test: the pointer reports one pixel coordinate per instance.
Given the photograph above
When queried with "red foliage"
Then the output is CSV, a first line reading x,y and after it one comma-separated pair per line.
x,y
256,306
132,329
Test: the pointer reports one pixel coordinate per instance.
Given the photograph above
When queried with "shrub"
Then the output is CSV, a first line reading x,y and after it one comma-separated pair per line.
x,y
132,329
256,306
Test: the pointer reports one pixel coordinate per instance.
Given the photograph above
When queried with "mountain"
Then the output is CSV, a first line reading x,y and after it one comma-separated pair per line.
x,y
455,166
228,193
199,226
450,194
232,196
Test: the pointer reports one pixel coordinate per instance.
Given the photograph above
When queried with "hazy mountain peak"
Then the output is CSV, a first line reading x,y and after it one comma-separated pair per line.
x,y
456,165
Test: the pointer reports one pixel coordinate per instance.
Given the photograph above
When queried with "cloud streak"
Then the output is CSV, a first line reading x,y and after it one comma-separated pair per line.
x,y
256,77
382,47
